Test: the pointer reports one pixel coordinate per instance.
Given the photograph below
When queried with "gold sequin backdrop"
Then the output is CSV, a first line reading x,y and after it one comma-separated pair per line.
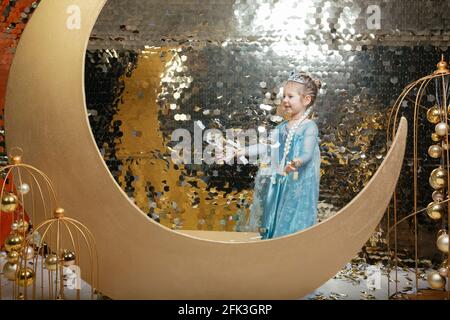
x,y
154,66
142,139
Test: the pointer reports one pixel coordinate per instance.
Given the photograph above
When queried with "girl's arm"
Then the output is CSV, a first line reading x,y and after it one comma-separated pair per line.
x,y
253,150
307,149
261,150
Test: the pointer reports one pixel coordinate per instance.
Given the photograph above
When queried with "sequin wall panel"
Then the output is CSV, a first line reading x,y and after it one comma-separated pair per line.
x,y
14,15
153,67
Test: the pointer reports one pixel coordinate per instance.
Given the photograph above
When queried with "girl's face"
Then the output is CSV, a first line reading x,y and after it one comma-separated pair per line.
x,y
294,102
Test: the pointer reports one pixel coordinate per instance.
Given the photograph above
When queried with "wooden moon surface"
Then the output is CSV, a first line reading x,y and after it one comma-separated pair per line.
x,y
138,258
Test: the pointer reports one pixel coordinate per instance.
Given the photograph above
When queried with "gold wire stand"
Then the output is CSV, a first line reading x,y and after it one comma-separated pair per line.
x,y
440,76
57,231
69,238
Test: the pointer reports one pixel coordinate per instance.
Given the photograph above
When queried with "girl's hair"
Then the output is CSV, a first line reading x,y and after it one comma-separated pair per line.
x,y
311,87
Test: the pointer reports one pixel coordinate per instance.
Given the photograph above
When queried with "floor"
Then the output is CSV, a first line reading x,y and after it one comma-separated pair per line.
x,y
10,292
356,281
368,282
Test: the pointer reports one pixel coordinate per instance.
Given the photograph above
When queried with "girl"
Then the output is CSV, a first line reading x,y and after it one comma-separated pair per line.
x,y
285,196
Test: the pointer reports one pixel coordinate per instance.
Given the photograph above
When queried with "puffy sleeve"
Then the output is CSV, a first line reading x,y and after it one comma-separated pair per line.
x,y
310,140
264,150
257,149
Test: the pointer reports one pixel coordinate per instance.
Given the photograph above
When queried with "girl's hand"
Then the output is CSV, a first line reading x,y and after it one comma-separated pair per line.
x,y
289,168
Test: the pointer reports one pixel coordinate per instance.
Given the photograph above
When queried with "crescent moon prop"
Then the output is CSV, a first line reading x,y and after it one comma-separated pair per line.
x,y
140,259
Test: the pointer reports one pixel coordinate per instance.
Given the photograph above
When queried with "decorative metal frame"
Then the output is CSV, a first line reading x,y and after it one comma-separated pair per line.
x,y
30,254
55,262
440,117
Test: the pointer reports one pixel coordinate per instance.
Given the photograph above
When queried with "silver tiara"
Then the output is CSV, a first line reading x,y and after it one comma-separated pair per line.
x,y
296,77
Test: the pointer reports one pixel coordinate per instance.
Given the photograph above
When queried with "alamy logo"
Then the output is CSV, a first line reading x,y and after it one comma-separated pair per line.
x,y
212,146
72,277
373,274
73,22
374,20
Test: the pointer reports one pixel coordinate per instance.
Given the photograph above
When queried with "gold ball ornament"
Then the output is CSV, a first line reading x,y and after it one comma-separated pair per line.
x,y
435,210
438,196
28,253
51,262
441,129
25,277
10,270
435,151
442,243
13,257
442,66
14,242
435,280
58,213
22,226
435,137
443,271
14,226
16,159
434,115
68,258
24,188
440,233
9,202
438,178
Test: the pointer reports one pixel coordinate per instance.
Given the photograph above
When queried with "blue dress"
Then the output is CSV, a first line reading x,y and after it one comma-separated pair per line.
x,y
284,204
